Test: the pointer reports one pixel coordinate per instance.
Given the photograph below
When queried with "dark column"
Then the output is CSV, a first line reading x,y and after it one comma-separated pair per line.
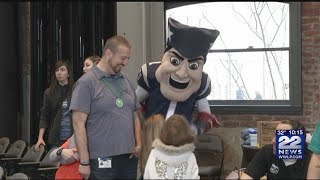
x,y
65,30
24,46
9,74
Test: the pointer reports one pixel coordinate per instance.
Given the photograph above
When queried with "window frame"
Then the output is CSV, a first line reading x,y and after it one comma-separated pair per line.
x,y
293,106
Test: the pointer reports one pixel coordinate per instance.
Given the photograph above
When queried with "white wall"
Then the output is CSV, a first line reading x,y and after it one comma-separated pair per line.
x,y
142,24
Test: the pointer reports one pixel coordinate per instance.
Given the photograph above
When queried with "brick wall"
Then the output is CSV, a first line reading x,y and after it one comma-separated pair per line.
x,y
310,76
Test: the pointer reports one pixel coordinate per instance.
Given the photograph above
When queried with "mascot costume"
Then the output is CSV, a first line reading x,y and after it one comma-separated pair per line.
x,y
177,83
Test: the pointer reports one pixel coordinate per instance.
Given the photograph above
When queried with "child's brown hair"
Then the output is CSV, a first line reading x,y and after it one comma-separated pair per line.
x,y
150,131
176,131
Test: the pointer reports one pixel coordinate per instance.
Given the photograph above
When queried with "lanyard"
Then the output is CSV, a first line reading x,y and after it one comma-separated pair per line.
x,y
119,101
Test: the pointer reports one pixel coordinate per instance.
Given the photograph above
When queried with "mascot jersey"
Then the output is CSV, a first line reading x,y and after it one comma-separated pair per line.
x,y
157,103
177,84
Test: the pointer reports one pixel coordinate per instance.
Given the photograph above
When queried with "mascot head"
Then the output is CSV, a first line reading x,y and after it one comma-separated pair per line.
x,y
181,67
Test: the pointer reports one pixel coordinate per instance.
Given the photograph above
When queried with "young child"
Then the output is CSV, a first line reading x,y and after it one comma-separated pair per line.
x,y
150,131
172,156
68,156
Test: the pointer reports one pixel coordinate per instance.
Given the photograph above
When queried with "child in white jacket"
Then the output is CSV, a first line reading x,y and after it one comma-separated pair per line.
x,y
172,156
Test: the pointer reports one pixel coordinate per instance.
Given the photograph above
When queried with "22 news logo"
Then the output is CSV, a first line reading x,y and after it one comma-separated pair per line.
x,y
290,144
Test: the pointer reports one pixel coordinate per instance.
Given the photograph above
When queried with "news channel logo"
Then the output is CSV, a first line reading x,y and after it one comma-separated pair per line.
x,y
290,144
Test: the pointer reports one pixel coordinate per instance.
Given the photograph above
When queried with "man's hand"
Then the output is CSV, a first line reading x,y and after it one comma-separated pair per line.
x,y
136,152
84,171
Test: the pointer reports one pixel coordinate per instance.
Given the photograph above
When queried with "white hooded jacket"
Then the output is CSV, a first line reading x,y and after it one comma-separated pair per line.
x,y
170,162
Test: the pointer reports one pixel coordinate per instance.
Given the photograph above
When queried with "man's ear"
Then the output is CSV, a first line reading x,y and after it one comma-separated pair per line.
x,y
108,53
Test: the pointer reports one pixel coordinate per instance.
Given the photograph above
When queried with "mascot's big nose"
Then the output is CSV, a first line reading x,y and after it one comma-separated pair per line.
x,y
182,72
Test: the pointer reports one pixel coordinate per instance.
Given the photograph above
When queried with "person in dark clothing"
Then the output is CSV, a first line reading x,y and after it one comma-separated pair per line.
x,y
265,162
55,120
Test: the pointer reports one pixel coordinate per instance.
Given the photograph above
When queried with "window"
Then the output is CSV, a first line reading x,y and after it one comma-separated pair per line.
x,y
255,63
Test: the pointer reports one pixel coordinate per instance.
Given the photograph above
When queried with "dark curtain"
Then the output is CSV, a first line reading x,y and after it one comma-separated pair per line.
x,y
65,30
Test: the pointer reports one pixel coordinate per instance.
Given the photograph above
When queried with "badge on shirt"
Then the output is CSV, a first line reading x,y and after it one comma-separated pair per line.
x,y
64,104
104,162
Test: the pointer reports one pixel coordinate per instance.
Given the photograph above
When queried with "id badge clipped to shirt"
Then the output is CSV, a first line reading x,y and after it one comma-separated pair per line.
x,y
104,162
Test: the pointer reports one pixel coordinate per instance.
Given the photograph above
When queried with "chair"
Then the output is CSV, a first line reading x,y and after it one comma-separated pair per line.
x,y
209,153
14,154
31,156
44,169
4,145
18,176
2,173
248,153
48,168
16,150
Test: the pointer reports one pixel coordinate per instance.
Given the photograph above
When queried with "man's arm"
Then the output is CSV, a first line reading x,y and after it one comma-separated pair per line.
x,y
137,130
314,167
257,167
79,120
137,134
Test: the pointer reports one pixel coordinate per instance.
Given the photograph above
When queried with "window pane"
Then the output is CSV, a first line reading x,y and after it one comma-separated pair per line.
x,y
241,24
251,75
248,75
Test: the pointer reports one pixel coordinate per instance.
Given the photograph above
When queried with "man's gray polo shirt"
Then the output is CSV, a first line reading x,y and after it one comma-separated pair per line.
x,y
110,129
